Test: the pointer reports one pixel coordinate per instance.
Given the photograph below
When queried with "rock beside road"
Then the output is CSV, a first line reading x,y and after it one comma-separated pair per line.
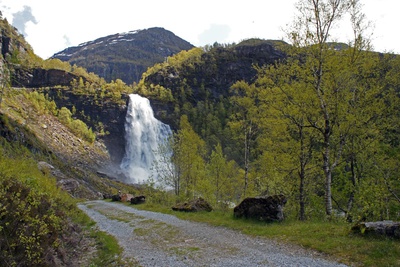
x,y
267,209
382,228
193,206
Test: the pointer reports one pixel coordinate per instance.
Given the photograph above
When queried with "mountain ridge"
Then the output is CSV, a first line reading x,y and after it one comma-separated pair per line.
x,y
125,55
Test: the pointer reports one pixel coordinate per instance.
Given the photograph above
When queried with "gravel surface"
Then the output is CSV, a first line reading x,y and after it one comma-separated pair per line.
x,y
156,239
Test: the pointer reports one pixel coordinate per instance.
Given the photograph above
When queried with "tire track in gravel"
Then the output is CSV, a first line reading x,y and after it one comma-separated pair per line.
x,y
156,239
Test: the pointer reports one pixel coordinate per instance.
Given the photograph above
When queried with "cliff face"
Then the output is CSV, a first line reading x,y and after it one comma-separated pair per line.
x,y
125,56
109,114
37,77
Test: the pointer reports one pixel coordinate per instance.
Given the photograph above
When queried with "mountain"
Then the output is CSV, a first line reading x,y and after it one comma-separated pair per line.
x,y
124,56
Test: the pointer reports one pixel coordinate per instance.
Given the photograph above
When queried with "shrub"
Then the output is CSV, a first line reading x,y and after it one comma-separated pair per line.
x,y
29,224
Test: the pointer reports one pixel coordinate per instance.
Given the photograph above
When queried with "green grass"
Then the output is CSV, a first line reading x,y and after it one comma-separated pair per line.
x,y
331,238
108,251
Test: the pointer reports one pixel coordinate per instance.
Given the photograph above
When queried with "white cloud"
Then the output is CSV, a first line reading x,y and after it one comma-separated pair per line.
x,y
199,22
214,33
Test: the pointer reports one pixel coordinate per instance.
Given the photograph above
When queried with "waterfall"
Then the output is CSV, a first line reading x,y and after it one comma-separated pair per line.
x,y
143,133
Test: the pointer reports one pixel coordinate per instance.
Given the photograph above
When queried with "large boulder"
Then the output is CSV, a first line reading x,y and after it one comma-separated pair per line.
x,y
116,198
267,209
383,228
138,200
192,206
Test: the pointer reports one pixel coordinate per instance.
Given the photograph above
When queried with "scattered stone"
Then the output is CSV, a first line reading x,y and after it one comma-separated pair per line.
x,y
107,196
138,200
193,206
45,167
267,209
126,197
69,185
384,228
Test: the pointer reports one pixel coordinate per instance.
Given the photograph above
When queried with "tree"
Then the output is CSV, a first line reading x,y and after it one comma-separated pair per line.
x,y
222,178
329,86
243,123
166,171
188,158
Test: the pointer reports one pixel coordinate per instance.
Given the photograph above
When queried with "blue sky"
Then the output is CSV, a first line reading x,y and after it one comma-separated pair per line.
x,y
51,26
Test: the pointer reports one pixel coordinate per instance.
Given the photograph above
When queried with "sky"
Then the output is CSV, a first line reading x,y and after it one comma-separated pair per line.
x,y
50,26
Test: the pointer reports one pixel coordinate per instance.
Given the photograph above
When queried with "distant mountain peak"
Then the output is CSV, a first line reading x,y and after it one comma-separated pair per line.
x,y
124,55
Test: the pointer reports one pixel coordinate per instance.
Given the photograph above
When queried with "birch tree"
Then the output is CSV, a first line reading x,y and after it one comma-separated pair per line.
x,y
330,85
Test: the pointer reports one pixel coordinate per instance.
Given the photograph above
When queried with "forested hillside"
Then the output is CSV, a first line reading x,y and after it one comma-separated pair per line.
x,y
315,121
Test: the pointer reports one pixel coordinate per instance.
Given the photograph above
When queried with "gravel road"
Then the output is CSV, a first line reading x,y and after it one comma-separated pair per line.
x,y
156,239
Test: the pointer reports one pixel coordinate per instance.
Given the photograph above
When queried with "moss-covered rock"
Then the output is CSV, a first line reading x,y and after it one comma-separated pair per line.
x,y
193,206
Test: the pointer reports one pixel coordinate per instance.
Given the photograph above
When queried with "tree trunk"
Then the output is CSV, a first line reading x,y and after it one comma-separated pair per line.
x,y
327,171
302,215
328,184
352,192
247,136
302,174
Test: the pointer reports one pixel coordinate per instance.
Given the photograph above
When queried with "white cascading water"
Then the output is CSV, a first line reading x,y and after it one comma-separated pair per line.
x,y
143,134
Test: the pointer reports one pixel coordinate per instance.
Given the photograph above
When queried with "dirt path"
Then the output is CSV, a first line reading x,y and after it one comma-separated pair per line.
x,y
156,239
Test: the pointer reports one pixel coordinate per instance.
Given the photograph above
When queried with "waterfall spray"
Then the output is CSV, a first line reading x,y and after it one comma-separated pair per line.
x,y
143,134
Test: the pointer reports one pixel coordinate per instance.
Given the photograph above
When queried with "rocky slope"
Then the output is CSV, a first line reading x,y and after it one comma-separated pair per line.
x,y
124,56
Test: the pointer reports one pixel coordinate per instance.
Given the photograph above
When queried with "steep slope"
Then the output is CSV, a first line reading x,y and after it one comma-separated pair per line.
x,y
124,56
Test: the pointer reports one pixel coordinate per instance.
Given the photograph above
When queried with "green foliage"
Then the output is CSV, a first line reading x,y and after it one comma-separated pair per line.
x,y
78,127
55,63
109,250
188,158
33,212
41,103
221,186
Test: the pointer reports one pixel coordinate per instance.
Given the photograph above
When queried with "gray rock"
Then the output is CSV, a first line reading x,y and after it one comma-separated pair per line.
x,y
262,208
384,228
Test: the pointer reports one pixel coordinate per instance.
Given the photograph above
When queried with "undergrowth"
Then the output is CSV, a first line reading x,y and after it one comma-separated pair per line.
x,y
40,225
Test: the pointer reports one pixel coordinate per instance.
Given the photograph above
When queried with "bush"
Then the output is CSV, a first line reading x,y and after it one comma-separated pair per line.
x,y
33,211
78,127
29,222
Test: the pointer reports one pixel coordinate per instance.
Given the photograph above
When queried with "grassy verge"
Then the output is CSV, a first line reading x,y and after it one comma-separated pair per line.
x,y
108,252
331,238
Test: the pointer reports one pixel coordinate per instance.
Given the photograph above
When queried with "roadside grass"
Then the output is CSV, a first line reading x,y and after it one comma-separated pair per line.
x,y
333,239
108,251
